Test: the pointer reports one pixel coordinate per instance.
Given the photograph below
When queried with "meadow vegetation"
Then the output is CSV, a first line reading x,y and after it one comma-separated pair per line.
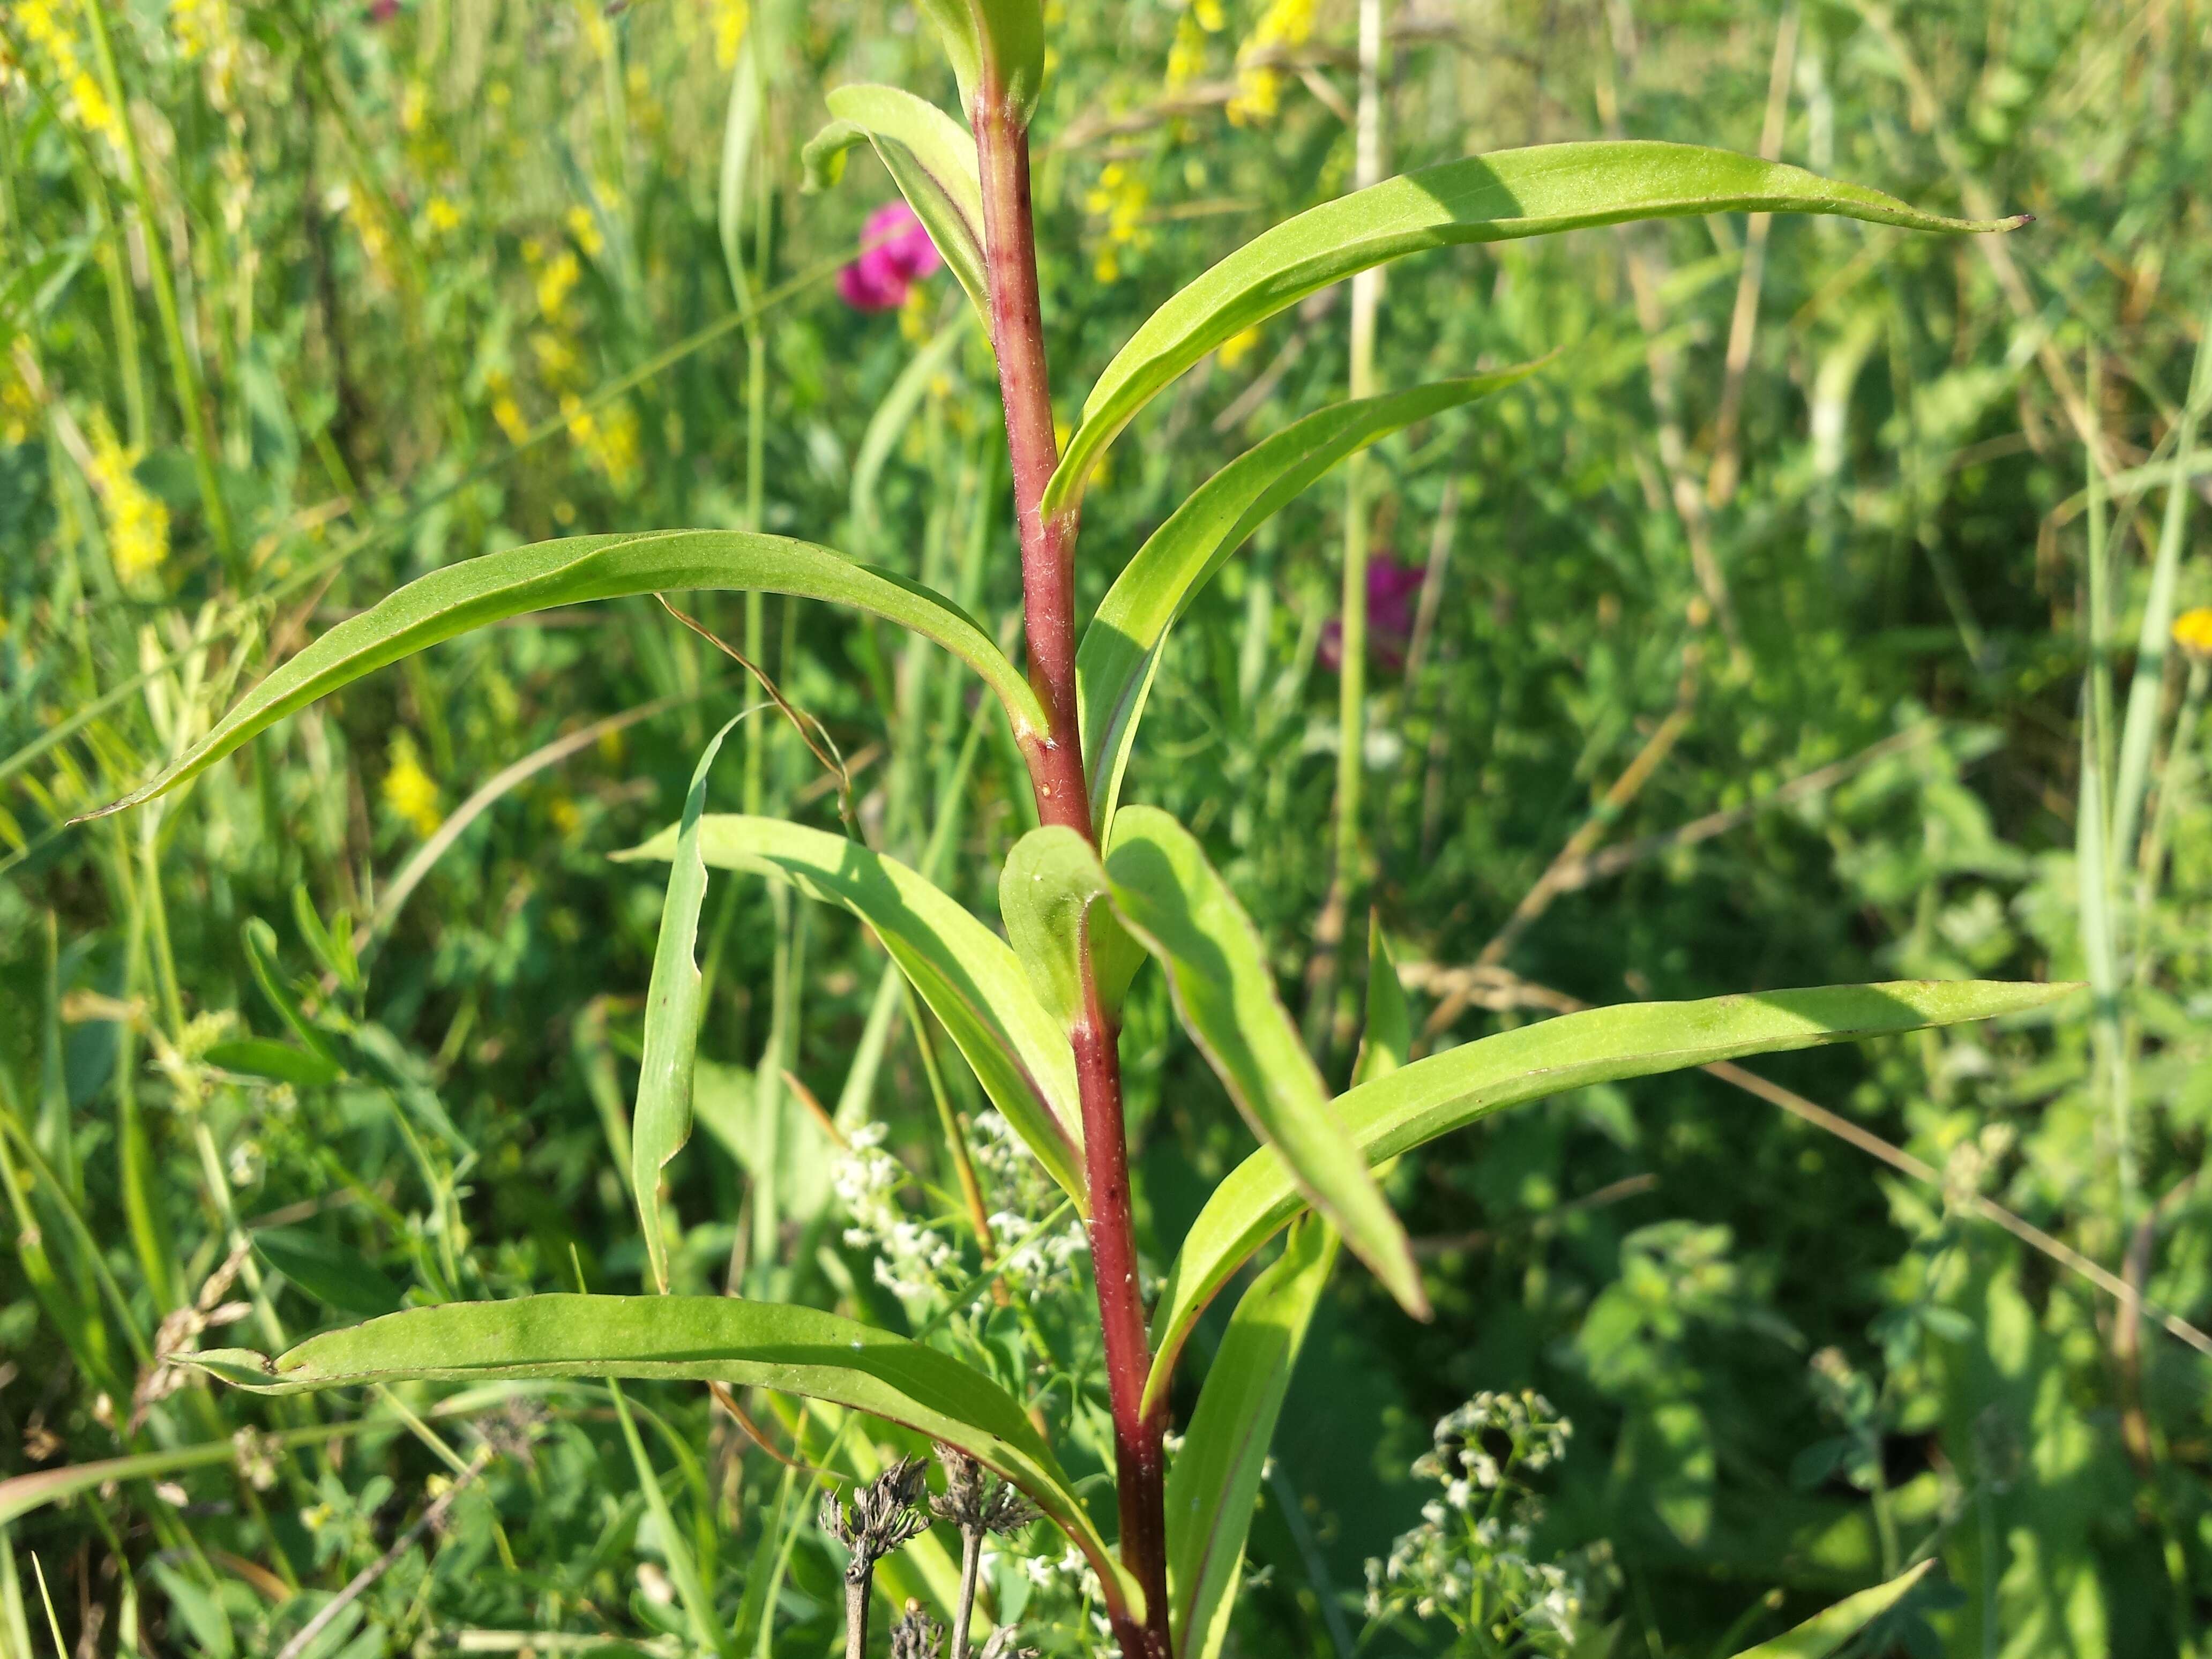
x,y
1824,605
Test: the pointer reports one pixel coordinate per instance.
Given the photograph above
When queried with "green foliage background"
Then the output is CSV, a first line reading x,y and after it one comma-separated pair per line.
x,y
449,277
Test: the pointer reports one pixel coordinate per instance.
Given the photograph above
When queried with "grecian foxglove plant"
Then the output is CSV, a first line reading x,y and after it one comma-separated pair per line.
x,y
1100,886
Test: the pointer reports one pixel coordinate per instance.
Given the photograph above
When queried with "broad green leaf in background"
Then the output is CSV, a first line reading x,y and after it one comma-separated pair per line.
x,y
932,159
1177,904
280,1061
712,1338
1483,198
1824,1632
579,568
1216,1476
261,955
1115,661
1054,899
331,1272
1387,1039
1446,1092
662,1122
969,976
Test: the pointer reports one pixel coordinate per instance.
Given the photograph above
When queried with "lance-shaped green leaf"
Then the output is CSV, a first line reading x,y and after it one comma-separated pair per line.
x,y
662,1122
1388,1036
1449,1090
1216,1476
969,976
709,1339
1053,898
1177,904
1120,649
1825,1631
932,159
1481,198
580,568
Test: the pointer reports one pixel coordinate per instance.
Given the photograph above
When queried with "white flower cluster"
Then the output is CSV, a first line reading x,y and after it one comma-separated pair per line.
x,y
913,1261
1471,1561
1021,1189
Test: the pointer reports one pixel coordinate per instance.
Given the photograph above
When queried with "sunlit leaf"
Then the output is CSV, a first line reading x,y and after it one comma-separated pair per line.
x,y
745,1344
1388,1036
1216,1476
1445,1092
1177,904
520,580
932,159
969,976
1825,1631
662,1122
1120,649
1481,198
1054,899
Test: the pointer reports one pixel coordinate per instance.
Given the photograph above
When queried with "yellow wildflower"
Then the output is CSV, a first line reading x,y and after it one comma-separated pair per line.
x,y
1121,198
586,229
409,790
2192,631
138,523
566,815
1187,56
555,282
18,407
1237,347
1285,24
87,103
730,19
556,357
442,214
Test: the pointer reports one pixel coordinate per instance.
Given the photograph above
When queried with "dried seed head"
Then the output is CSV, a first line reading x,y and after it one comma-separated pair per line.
x,y
975,1501
917,1635
880,1517
1001,1645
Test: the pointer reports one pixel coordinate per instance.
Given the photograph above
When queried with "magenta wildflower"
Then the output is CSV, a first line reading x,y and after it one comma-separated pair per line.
x,y
896,252
1391,586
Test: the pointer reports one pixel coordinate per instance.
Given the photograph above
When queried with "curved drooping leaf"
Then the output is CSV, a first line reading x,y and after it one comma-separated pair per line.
x,y
714,1339
1177,904
1120,650
1053,898
1482,198
969,976
932,159
662,1122
1446,1092
1827,1631
579,568
1216,1476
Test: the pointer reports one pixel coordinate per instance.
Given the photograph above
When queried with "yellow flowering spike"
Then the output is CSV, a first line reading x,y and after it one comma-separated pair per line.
x,y
136,522
586,229
1237,347
555,284
409,790
730,19
2192,631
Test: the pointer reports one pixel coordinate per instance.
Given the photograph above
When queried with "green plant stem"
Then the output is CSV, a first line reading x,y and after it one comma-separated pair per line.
x,y
2145,689
191,398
